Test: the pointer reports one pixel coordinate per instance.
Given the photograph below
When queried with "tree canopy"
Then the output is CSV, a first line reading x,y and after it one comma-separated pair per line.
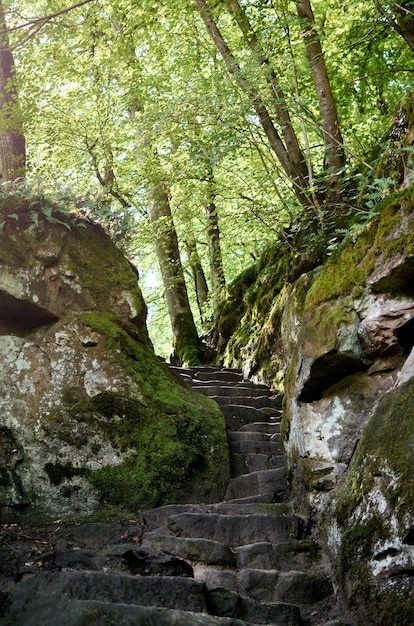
x,y
260,114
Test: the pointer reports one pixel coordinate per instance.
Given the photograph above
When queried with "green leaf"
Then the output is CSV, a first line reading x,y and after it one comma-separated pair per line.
x,y
35,217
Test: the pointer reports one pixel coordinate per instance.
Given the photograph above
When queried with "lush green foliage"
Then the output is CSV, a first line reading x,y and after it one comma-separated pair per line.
x,y
104,85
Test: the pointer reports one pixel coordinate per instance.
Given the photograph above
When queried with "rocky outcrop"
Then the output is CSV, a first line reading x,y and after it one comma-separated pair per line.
x,y
339,341
89,416
348,422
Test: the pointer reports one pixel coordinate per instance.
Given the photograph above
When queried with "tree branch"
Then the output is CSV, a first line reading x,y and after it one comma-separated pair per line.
x,y
36,24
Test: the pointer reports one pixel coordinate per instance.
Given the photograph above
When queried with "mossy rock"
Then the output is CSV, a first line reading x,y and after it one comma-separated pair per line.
x,y
375,512
101,421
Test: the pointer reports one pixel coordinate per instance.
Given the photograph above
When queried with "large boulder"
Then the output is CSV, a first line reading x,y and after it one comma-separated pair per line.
x,y
347,331
348,424
89,416
372,529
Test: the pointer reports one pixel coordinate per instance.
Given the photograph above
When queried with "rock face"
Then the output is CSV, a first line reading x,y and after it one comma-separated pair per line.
x,y
348,422
88,415
339,339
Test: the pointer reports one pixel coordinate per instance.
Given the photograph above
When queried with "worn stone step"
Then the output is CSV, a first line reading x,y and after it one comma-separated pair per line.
x,y
268,585
220,375
61,611
156,591
253,443
236,530
155,518
137,560
247,463
248,436
223,602
223,384
259,584
267,497
303,588
227,391
250,508
258,402
293,555
237,416
194,369
195,550
270,428
214,577
265,481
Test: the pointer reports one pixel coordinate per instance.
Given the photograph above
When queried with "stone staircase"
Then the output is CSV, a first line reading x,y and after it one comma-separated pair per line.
x,y
244,561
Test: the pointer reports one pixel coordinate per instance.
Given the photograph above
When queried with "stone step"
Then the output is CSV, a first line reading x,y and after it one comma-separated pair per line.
x,y
219,375
137,560
272,428
223,602
258,402
261,585
236,530
237,416
154,518
197,549
249,508
239,435
254,443
267,497
267,585
272,481
194,369
293,555
223,384
247,463
224,608
239,392
156,591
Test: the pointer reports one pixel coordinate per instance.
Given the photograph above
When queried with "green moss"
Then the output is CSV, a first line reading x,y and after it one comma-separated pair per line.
x,y
187,346
175,439
396,606
349,267
384,452
384,461
171,439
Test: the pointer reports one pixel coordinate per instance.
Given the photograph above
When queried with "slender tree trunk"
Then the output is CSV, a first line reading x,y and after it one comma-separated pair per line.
x,y
293,171
404,24
186,344
200,282
217,279
334,156
279,99
12,141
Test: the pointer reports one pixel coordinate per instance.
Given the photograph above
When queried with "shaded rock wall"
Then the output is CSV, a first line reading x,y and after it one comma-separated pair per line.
x,y
343,339
97,419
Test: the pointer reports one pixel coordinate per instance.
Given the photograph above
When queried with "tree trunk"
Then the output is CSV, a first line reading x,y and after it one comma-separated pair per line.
x,y
218,281
200,282
186,344
279,99
404,24
334,156
12,141
294,172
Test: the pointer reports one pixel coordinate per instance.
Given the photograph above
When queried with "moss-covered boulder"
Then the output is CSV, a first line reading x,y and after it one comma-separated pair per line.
x,y
374,515
98,419
347,330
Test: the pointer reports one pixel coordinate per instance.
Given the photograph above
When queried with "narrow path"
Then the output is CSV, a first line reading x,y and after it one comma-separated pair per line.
x,y
244,561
